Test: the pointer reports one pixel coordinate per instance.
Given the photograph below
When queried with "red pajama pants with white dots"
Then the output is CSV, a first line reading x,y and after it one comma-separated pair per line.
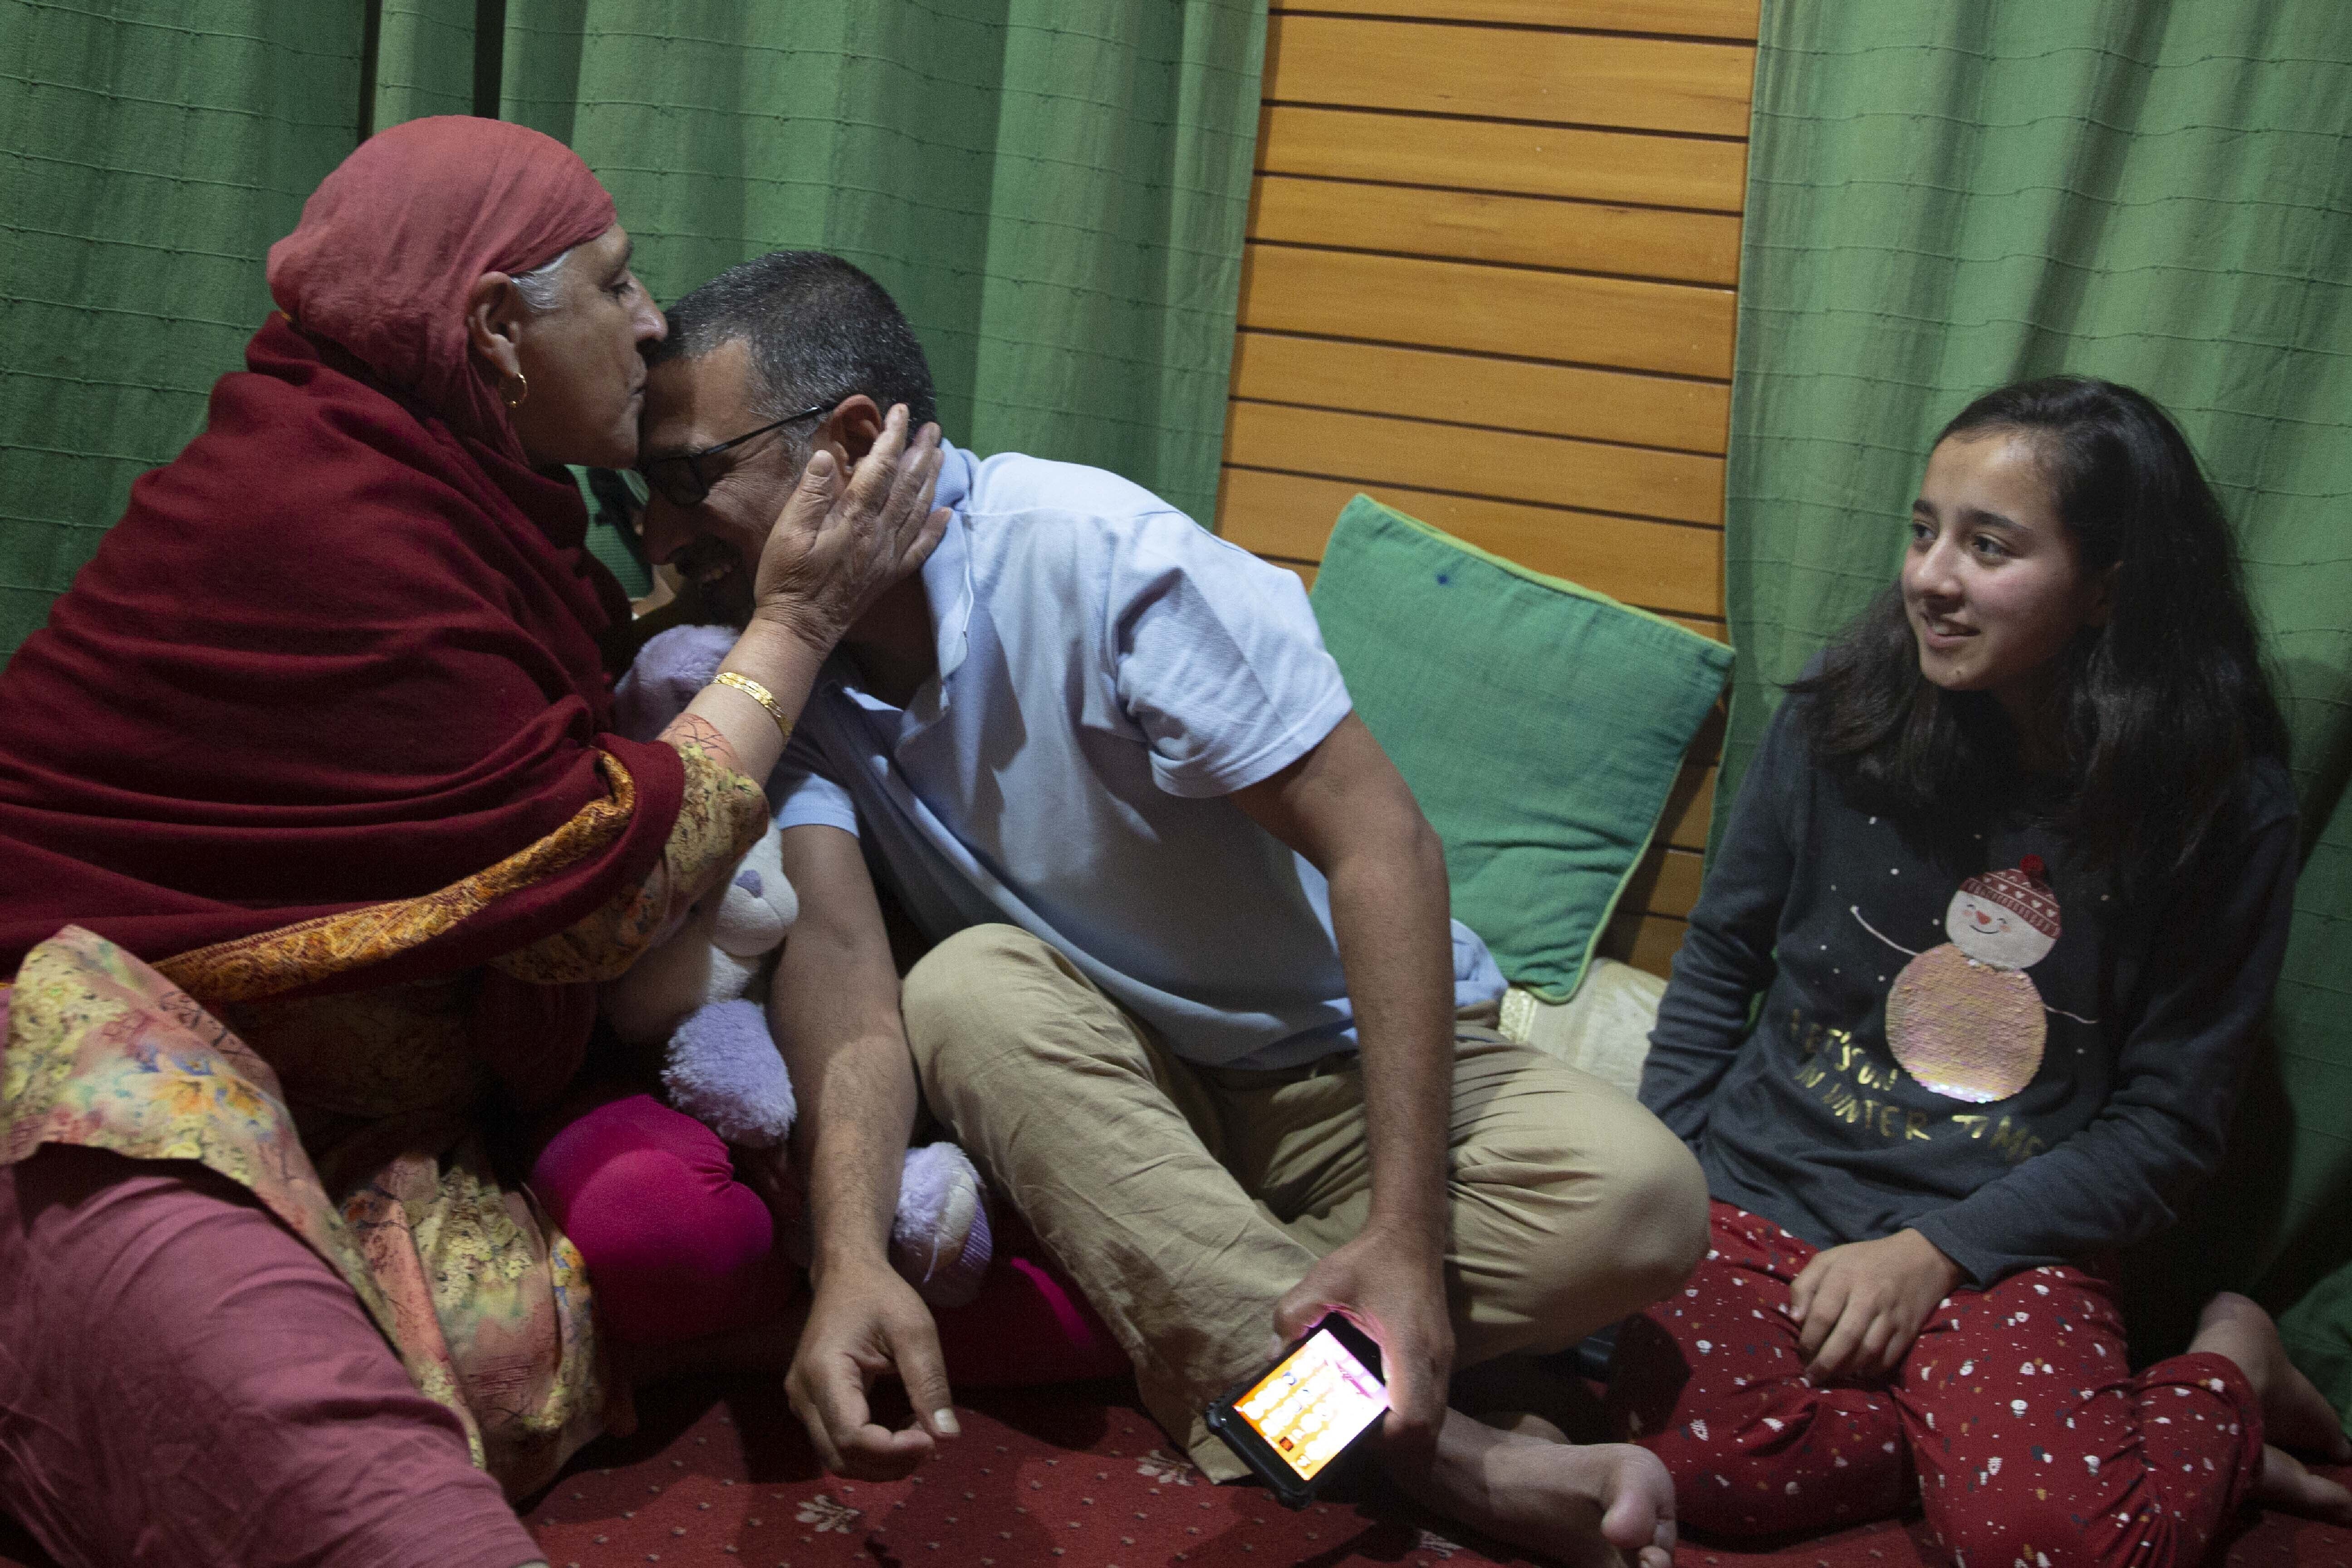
x,y
2014,1418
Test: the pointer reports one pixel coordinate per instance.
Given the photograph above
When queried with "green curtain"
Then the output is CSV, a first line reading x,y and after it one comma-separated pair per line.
x,y
1944,198
153,150
424,61
1054,190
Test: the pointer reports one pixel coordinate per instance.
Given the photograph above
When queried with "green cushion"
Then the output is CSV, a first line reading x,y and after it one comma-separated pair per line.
x,y
1540,724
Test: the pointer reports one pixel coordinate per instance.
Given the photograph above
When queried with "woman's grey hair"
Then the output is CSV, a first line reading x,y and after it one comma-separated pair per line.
x,y
543,286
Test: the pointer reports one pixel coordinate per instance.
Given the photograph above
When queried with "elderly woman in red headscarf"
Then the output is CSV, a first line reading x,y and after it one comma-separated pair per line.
x,y
315,839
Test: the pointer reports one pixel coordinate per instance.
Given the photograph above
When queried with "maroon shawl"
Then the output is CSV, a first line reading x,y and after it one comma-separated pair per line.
x,y
341,650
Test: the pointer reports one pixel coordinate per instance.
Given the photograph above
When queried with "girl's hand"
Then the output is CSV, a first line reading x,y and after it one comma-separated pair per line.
x,y
1859,1307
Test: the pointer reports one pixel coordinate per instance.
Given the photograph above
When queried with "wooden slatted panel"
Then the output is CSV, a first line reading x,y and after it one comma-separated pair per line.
x,y
1524,231
1665,882
1690,804
1468,389
1697,18
1590,476
1690,807
1488,280
1511,73
1676,328
1646,941
1494,155
1656,566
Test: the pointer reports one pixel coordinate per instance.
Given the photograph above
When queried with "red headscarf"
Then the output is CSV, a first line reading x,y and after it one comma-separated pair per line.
x,y
390,243
341,650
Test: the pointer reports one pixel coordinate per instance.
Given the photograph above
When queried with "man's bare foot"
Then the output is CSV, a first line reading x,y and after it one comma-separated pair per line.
x,y
2296,1415
1592,1506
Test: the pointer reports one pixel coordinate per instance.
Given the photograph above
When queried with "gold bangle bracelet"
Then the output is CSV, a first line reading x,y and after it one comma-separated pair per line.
x,y
758,694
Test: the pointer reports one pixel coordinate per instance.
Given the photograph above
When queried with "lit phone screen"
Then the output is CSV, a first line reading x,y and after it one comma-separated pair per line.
x,y
1313,1404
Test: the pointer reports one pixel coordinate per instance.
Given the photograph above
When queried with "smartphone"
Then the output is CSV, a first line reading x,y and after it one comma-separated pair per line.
x,y
1292,1422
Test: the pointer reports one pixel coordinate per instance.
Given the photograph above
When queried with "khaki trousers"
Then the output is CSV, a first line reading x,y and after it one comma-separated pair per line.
x,y
1187,1200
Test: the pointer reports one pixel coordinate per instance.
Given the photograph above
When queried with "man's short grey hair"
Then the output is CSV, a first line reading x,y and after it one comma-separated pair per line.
x,y
819,329
543,286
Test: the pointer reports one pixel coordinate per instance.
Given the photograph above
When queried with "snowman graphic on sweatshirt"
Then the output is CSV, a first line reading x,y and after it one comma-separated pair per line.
x,y
1964,1019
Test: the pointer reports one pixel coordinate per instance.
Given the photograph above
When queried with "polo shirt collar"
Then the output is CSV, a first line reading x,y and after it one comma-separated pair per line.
x,y
946,584
946,575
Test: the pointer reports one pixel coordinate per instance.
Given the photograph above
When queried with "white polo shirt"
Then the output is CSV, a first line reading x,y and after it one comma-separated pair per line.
x,y
1108,671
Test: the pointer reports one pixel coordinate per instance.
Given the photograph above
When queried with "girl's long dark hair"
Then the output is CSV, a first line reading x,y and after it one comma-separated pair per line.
x,y
2159,711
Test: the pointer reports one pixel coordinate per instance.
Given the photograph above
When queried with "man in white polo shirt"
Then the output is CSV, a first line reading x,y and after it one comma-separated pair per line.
x,y
1192,1001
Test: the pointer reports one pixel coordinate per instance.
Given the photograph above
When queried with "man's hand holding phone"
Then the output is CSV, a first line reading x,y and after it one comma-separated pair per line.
x,y
1292,1422
1392,1282
1372,1309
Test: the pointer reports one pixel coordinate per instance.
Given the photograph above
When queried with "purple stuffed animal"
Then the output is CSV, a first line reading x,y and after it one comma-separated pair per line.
x,y
704,990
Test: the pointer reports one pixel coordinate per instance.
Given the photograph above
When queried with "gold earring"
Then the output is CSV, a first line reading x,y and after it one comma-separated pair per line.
x,y
516,399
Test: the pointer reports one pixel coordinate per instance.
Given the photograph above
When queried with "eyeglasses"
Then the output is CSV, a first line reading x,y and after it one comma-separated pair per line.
x,y
680,478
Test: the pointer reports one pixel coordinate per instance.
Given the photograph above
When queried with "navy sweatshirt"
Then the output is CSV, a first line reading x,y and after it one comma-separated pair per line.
x,y
1970,1037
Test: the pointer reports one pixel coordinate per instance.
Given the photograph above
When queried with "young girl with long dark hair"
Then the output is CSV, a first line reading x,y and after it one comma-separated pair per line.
x,y
1964,1007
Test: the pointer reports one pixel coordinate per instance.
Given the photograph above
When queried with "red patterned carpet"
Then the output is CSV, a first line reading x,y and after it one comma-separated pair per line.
x,y
1075,1477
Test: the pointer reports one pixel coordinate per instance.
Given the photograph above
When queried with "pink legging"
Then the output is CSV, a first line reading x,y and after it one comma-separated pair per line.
x,y
2015,1416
